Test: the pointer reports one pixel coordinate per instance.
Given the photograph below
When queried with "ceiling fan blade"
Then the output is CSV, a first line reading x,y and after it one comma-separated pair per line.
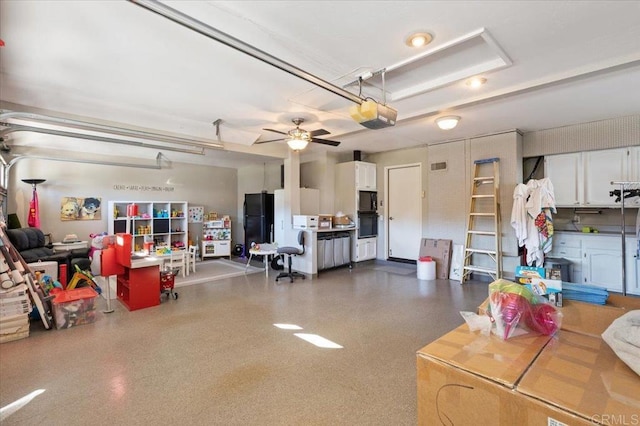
x,y
276,131
270,140
318,132
325,141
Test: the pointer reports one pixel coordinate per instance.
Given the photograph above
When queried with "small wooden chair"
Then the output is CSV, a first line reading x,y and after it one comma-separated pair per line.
x,y
178,259
191,258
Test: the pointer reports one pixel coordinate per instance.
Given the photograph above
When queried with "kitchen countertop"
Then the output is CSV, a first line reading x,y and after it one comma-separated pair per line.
x,y
603,233
353,228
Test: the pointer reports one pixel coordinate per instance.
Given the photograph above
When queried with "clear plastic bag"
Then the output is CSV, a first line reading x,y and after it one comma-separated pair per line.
x,y
513,305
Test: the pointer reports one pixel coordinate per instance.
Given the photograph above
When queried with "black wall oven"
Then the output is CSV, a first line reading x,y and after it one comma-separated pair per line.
x,y
367,224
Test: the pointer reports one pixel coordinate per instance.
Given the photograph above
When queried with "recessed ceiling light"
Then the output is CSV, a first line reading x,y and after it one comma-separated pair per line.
x,y
418,39
475,82
448,122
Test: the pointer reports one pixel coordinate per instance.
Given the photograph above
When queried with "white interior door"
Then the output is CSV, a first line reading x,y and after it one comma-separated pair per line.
x,y
404,211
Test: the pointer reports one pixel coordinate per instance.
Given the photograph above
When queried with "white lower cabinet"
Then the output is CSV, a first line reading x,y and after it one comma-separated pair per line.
x,y
216,248
603,268
365,249
597,260
569,247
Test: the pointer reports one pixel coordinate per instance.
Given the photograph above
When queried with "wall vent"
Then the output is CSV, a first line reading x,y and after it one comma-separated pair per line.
x,y
439,166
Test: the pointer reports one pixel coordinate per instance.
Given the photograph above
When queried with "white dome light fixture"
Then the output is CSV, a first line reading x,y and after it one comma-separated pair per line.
x,y
297,144
476,82
298,139
448,122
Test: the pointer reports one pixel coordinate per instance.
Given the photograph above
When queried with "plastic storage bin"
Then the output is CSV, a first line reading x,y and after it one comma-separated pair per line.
x,y
560,263
74,307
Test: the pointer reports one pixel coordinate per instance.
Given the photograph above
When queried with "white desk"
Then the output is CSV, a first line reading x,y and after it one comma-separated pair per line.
x,y
60,247
265,250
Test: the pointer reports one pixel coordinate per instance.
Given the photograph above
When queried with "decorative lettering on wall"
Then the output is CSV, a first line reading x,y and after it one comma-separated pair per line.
x,y
143,188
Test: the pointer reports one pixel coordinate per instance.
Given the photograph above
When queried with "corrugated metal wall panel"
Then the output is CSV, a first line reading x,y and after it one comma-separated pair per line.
x,y
613,133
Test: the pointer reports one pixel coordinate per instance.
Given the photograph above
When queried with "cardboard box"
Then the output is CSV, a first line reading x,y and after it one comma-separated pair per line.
x,y
587,318
325,221
14,327
573,378
585,377
466,378
524,274
74,307
45,268
305,222
440,252
341,220
548,288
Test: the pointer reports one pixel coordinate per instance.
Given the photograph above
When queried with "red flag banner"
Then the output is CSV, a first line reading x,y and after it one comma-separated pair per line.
x,y
34,213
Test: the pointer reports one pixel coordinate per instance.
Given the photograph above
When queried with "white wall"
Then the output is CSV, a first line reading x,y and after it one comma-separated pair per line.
x,y
445,206
215,188
320,174
253,180
397,158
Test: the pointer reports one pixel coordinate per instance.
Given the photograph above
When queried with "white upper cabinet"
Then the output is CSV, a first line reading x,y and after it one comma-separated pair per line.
x,y
583,179
634,163
365,176
600,169
565,172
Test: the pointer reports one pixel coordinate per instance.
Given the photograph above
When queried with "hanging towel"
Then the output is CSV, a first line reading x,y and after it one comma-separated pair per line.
x,y
519,212
539,206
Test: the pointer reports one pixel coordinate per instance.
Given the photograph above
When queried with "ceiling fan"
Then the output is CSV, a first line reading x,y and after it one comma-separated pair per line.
x,y
298,138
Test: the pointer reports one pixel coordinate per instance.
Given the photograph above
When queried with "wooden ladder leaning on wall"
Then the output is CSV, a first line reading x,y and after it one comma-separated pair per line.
x,y
483,237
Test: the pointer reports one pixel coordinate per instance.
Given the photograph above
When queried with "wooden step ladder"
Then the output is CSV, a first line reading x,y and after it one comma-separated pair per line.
x,y
483,238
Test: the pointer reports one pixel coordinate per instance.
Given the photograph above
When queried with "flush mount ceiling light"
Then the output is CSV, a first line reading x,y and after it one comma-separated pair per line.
x,y
448,122
418,39
475,82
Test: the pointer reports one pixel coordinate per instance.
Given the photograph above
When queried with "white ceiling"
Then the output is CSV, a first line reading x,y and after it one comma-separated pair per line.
x,y
548,64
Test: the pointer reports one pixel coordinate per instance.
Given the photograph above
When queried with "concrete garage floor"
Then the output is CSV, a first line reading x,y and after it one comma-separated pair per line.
x,y
214,355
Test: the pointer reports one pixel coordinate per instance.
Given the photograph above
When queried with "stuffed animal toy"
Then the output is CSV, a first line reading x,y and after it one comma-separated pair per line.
x,y
97,244
90,207
70,209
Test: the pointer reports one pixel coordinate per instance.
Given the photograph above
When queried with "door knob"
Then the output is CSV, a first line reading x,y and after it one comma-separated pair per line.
x,y
391,218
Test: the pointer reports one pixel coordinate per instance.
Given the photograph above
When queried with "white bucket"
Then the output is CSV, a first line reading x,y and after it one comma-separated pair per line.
x,y
426,268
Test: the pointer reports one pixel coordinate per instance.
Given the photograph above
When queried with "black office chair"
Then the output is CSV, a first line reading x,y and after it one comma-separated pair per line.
x,y
290,252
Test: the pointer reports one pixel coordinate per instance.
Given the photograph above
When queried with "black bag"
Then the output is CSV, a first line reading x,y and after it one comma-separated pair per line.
x,y
277,263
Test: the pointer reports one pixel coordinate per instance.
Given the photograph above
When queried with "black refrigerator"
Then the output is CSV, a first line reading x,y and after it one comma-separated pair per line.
x,y
258,219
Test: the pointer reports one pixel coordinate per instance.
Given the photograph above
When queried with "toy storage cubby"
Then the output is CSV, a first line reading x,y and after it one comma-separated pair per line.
x,y
163,223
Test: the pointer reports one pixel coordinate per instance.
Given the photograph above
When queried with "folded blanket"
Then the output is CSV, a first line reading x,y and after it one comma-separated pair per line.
x,y
623,336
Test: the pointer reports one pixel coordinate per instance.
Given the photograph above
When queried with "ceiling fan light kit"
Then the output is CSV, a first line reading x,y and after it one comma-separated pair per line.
x,y
297,144
373,115
298,138
448,122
